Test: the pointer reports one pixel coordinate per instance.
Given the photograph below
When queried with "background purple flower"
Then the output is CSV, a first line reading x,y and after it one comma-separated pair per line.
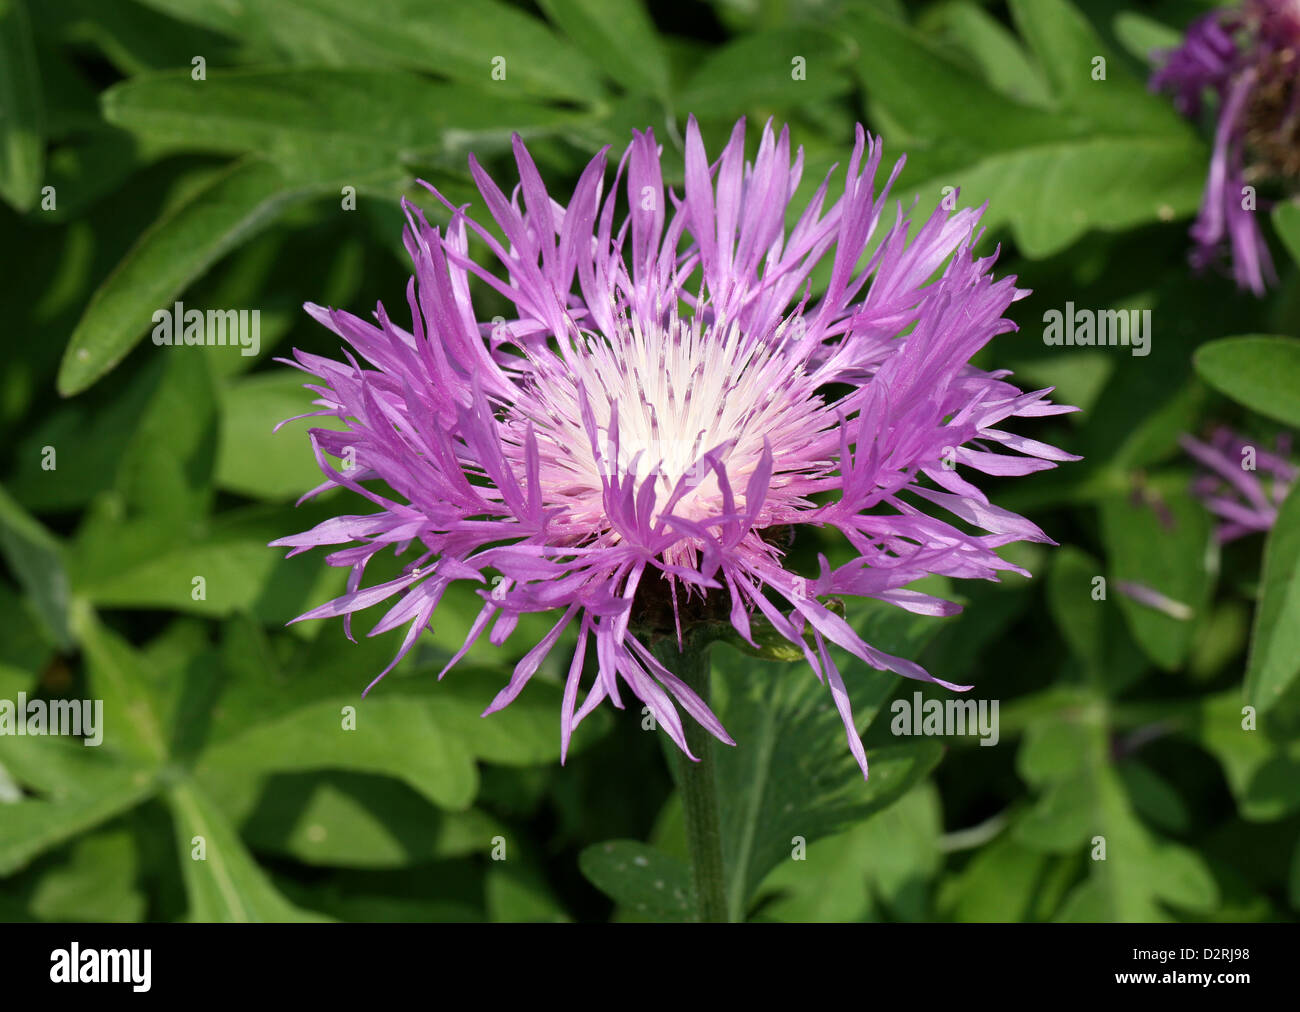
x,y
1245,500
666,392
1249,59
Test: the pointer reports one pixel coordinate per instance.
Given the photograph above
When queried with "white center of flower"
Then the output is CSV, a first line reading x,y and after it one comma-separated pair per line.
x,y
680,392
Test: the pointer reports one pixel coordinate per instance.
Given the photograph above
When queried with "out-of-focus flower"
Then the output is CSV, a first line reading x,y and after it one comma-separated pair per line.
x,y
665,398
1249,58
1233,487
1144,594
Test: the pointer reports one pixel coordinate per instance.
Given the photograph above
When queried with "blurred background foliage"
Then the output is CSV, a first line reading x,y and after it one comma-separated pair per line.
x,y
1116,719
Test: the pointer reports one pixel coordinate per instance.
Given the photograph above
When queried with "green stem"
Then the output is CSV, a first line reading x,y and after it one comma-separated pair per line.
x,y
698,784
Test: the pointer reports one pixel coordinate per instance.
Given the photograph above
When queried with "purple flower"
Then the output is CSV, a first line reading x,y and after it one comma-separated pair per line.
x,y
1145,594
666,397
1249,58
1231,488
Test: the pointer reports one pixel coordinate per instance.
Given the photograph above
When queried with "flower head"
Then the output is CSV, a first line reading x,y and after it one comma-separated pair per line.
x,y
666,397
1232,487
1249,59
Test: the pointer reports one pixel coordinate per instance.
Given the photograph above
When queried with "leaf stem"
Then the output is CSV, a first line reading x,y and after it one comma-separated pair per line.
x,y
698,783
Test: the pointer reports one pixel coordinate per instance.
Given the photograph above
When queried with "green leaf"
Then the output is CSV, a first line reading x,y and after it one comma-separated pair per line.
x,y
1090,625
254,459
330,672
1126,890
165,474
916,81
791,773
89,436
891,855
176,249
97,882
1004,881
517,894
1180,876
1142,35
412,727
400,737
1067,49
829,883
1053,757
1260,763
1054,192
1286,219
1159,541
1108,156
238,20
234,570
1080,617
758,71
1061,817
1275,642
22,113
31,827
1261,372
619,37
222,879
36,558
351,820
998,52
77,788
1221,639
132,711
444,37
1293,886
1084,807
636,876
435,892
136,40
212,567
1154,797
338,126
